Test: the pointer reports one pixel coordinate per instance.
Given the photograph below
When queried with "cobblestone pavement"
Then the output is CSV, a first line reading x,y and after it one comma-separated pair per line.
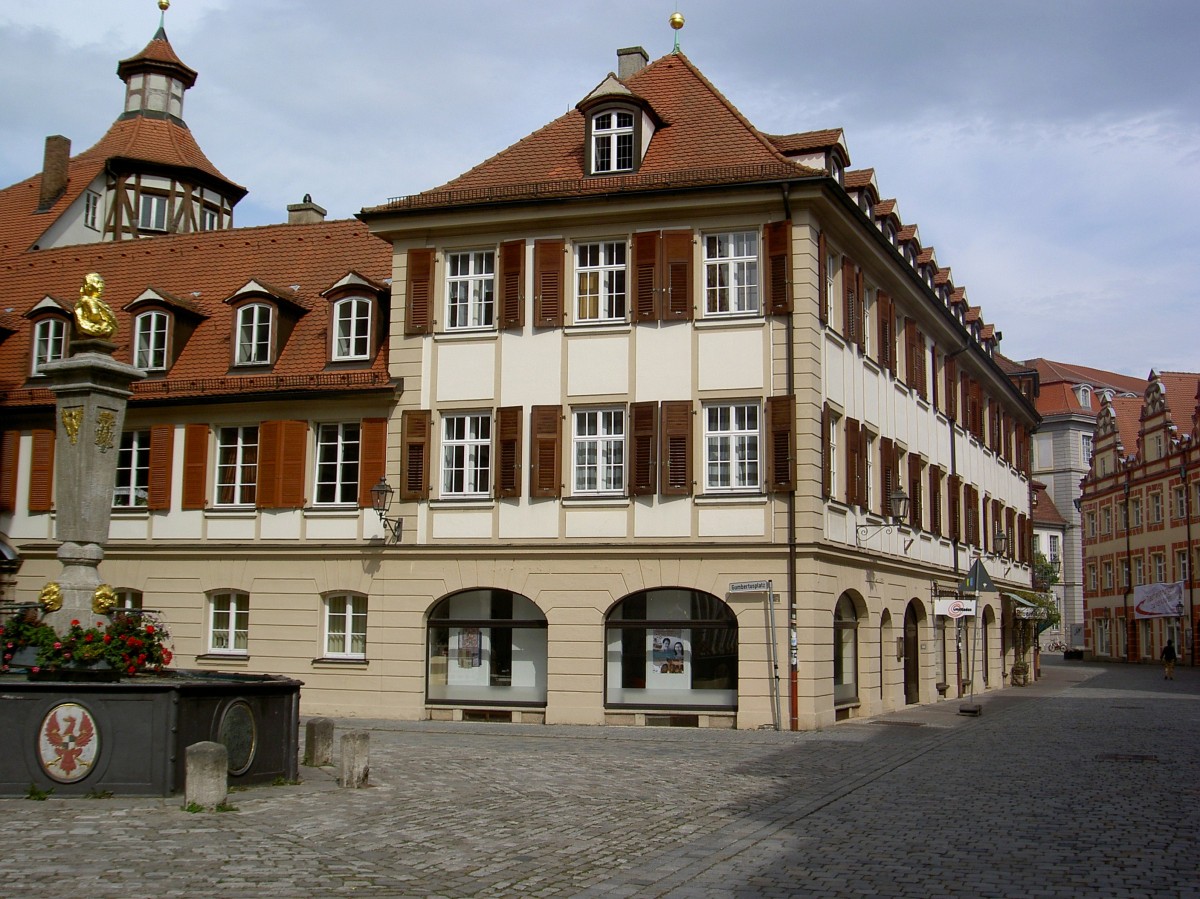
x,y
1086,784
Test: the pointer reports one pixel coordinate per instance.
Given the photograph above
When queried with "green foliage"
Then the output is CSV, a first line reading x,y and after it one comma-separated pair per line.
x,y
98,794
37,794
193,808
226,807
130,643
1045,573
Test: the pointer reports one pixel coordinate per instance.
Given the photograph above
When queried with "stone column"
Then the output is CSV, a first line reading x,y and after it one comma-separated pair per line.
x,y
91,390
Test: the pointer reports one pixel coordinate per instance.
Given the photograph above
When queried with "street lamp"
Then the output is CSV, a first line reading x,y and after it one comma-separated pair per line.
x,y
1000,541
381,501
898,502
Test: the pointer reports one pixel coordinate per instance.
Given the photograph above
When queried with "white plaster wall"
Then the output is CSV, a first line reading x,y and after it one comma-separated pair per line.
x,y
601,523
663,362
466,372
529,519
736,522
598,365
731,360
662,518
461,524
531,368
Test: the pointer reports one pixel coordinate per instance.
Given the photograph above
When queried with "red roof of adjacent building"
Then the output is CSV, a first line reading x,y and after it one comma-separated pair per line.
x,y
1044,511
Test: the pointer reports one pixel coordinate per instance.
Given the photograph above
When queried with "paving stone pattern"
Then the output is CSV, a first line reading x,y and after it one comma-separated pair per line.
x,y
1086,784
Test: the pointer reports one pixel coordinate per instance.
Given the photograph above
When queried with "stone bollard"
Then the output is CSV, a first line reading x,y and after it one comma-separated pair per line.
x,y
355,767
207,775
318,742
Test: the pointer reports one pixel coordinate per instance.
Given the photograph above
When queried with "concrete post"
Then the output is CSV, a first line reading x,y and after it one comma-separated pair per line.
x,y
318,742
206,775
355,751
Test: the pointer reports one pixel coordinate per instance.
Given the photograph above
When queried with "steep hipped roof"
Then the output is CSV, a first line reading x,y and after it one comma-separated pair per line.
x,y
204,269
1050,371
703,140
160,56
1045,512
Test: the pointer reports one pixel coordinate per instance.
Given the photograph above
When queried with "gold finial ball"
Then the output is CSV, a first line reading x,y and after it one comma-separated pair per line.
x,y
676,20
164,5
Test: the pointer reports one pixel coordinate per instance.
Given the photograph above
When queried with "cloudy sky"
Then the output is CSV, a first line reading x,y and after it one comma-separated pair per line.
x,y
1048,149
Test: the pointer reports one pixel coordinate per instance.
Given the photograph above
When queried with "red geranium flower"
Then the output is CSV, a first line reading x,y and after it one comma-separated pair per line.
x,y
149,628
74,622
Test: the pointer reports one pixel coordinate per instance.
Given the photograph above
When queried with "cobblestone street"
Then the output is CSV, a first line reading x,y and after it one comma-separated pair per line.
x,y
1083,785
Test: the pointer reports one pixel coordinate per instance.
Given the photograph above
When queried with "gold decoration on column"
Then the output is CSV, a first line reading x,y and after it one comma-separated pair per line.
x,y
71,419
92,315
51,597
106,424
104,600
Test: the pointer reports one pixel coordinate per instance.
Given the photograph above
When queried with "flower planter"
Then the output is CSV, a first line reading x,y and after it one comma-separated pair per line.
x,y
97,675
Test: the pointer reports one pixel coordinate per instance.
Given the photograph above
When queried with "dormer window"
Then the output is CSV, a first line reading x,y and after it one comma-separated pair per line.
x,y
150,341
254,334
1085,396
864,203
612,142
91,209
351,329
890,233
49,341
836,170
152,213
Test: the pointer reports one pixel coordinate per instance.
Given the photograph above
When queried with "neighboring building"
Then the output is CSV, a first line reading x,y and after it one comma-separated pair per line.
x,y
1049,538
1141,518
1068,398
644,365
651,354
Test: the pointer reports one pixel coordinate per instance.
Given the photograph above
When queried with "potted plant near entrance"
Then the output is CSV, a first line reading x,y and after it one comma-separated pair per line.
x,y
1020,674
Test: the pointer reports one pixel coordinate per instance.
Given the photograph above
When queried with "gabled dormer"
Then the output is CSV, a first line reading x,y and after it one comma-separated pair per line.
x,y
162,324
823,150
51,341
357,314
264,317
618,126
860,184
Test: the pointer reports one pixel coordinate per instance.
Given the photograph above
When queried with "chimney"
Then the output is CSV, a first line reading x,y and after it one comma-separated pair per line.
x,y
54,170
305,212
630,61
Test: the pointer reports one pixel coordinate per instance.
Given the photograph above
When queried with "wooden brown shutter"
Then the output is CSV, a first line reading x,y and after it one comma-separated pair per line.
x,y
162,445
850,323
933,378
885,353
266,491
887,482
822,281
954,506
293,449
781,452
826,452
195,467
676,455
952,389
977,409
418,293
41,471
964,397
415,425
372,457
645,306
935,501
860,311
643,463
779,267
545,453
852,484
920,353
508,451
10,445
910,355
512,284
915,510
676,269
548,283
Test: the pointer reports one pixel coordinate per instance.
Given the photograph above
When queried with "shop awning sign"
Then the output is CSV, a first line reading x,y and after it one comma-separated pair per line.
x,y
954,608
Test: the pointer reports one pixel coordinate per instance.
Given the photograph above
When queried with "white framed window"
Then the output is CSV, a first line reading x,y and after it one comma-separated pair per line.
x,y
598,450
49,341
1106,520
470,289
835,428
352,329
731,446
1102,636
612,142
337,463
208,218
731,273
153,213
150,340
133,471
1085,441
229,623
1181,565
1139,571
600,281
1108,576
1180,501
237,465
1090,518
870,463
346,626
254,334
1054,551
91,209
1156,507
467,454
1158,562
1092,582
1136,512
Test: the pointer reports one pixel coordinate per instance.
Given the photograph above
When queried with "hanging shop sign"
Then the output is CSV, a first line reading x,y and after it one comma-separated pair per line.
x,y
1158,600
954,608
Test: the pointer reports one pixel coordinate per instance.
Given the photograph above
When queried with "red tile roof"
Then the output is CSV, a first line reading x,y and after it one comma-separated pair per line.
x,y
806,141
1049,372
1044,510
1128,412
858,179
204,269
704,140
158,54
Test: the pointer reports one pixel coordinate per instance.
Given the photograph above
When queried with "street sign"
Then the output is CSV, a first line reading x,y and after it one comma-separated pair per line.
x,y
749,586
978,580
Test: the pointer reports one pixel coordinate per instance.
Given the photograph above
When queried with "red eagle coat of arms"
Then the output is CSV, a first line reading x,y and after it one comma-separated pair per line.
x,y
68,743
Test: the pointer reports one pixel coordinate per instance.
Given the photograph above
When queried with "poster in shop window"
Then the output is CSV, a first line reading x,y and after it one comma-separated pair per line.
x,y
670,652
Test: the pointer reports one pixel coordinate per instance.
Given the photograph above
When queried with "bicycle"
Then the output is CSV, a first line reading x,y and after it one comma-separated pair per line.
x,y
1055,646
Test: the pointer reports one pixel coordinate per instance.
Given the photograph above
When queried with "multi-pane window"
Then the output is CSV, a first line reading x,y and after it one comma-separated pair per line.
x,y
150,336
612,142
1106,520
466,454
1092,582
237,465
229,622
91,209
599,450
346,626
1086,447
133,470
600,281
1159,563
1054,551
352,328
1101,628
1180,502
470,289
731,273
1156,510
208,219
254,334
1090,518
1108,575
337,463
49,341
153,211
731,446
1139,574
1181,565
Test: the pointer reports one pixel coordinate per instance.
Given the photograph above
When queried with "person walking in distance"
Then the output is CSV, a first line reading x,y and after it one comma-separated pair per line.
x,y
1168,659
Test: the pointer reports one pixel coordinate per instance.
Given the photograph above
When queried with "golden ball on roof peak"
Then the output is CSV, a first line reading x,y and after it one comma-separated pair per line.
x,y
164,5
676,20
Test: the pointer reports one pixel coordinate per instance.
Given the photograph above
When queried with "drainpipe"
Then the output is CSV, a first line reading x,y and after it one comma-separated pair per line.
x,y
1191,575
790,500
1128,566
